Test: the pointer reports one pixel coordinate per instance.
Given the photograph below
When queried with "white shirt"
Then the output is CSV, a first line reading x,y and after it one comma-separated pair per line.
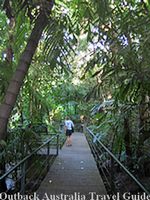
x,y
69,124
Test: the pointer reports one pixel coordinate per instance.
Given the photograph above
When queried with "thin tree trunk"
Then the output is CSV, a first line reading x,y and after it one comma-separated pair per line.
x,y
21,71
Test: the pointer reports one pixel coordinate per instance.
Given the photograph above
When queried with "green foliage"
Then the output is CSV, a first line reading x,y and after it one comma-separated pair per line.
x,y
21,33
3,30
59,41
5,75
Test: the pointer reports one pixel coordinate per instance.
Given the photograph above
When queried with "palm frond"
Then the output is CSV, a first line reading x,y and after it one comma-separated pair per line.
x,y
59,43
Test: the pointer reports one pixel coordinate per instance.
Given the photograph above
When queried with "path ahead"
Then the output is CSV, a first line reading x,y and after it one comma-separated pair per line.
x,y
73,172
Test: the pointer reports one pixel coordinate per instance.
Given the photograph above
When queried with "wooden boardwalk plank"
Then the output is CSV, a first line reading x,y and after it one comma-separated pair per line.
x,y
73,172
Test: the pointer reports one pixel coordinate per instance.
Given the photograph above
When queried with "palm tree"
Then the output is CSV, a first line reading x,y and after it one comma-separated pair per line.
x,y
23,66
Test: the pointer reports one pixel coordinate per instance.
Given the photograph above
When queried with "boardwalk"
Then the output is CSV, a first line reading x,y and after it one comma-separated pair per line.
x,y
74,172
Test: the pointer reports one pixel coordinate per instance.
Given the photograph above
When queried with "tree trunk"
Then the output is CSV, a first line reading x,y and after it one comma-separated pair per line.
x,y
22,69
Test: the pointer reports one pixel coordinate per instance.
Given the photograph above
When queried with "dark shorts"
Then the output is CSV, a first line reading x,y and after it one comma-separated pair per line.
x,y
68,132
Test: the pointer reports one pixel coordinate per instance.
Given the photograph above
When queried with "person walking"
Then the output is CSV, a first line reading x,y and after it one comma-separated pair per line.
x,y
69,128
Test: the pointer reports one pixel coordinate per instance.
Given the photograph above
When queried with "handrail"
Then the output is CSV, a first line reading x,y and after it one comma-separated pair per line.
x,y
121,165
27,157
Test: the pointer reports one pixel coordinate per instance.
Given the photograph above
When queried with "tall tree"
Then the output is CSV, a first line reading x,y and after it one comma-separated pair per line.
x,y
23,65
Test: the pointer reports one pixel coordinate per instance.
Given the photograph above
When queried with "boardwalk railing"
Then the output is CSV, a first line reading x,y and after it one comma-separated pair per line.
x,y
116,176
27,174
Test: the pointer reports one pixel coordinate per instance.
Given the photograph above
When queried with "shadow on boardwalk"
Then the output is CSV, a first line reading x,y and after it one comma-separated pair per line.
x,y
73,172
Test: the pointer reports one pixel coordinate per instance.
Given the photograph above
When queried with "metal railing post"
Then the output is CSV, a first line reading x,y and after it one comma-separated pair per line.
x,y
23,177
57,145
48,153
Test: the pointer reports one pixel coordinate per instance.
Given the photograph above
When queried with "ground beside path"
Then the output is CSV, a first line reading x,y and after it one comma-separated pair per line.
x,y
74,173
